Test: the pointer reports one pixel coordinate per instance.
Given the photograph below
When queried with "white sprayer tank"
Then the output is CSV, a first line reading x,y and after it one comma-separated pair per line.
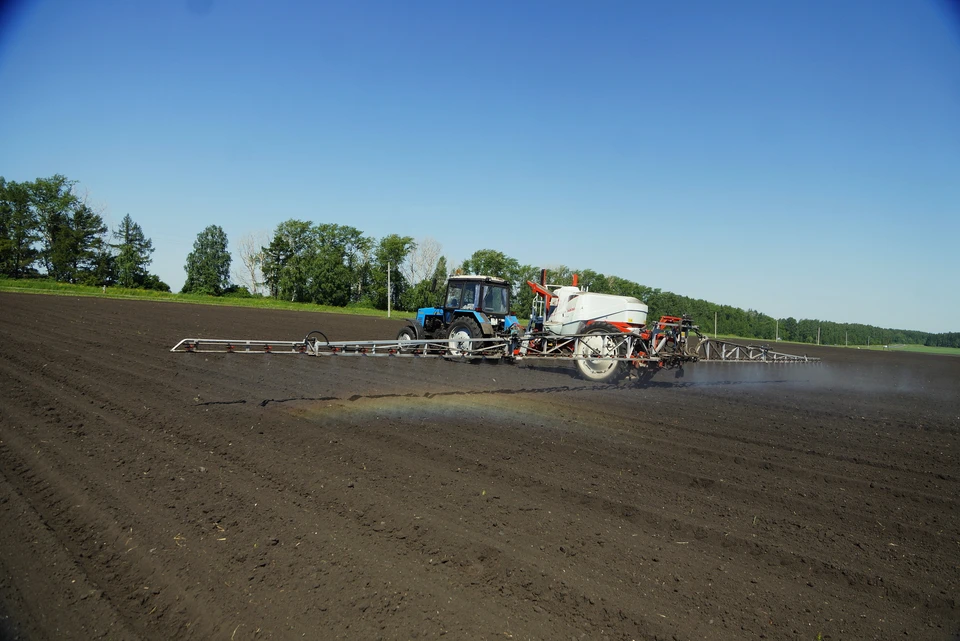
x,y
573,307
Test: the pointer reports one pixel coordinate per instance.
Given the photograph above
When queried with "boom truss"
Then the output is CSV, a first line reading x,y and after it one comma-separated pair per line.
x,y
663,350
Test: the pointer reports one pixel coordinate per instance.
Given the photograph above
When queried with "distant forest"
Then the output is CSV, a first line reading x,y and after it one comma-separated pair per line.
x,y
47,231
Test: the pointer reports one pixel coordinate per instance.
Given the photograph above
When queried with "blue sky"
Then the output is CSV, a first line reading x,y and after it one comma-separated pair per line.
x,y
802,159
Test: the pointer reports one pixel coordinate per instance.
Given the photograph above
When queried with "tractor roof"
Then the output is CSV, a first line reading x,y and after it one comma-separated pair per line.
x,y
485,279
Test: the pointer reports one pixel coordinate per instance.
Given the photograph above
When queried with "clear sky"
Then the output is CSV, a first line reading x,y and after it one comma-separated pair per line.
x,y
802,158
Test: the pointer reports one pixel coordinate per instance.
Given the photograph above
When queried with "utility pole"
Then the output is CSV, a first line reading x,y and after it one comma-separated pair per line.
x,y
388,289
714,324
846,339
818,334
777,337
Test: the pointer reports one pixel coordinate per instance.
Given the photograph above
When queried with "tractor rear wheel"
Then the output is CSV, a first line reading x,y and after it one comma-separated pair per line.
x,y
601,340
461,335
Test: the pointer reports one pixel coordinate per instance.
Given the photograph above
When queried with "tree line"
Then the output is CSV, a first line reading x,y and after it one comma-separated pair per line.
x,y
337,265
46,228
324,264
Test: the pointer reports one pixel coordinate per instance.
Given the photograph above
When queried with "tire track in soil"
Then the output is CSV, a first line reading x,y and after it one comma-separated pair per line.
x,y
104,403
481,558
74,609
681,528
926,500
99,521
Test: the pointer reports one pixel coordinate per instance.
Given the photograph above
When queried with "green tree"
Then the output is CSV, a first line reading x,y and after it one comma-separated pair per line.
x,y
807,330
6,211
947,339
133,254
18,230
78,241
329,278
560,275
788,328
53,200
286,258
208,265
438,280
594,282
152,281
327,264
521,299
104,271
429,291
390,253
490,262
340,284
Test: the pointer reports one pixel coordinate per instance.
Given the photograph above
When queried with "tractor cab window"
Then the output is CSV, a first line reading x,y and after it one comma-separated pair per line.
x,y
454,295
469,299
496,300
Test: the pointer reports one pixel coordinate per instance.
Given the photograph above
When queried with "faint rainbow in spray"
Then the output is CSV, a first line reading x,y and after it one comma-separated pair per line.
x,y
500,405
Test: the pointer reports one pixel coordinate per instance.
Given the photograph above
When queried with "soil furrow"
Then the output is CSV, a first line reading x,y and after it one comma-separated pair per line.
x,y
276,496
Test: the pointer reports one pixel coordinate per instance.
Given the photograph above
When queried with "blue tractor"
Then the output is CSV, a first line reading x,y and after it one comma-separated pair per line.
x,y
474,307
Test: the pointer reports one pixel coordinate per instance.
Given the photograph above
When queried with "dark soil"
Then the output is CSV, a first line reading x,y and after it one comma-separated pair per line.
x,y
151,495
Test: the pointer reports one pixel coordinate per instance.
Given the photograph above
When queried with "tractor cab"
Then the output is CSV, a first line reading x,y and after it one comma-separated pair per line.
x,y
485,294
473,304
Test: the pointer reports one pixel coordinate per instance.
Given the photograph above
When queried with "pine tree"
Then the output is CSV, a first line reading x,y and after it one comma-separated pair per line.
x,y
133,254
78,241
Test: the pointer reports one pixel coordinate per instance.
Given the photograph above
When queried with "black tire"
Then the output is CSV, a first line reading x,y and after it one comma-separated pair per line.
x,y
460,335
408,333
597,342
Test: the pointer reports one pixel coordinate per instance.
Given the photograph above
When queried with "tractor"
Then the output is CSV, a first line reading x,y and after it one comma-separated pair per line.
x,y
475,307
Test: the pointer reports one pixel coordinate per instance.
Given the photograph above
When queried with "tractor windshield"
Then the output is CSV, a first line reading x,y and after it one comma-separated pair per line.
x,y
496,300
462,295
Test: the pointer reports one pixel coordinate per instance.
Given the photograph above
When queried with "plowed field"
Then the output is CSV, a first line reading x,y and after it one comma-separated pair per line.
x,y
151,495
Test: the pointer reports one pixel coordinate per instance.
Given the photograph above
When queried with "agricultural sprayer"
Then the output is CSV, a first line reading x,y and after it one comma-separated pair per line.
x,y
605,336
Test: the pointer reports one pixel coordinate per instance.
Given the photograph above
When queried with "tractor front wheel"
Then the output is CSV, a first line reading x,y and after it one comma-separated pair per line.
x,y
601,341
408,333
